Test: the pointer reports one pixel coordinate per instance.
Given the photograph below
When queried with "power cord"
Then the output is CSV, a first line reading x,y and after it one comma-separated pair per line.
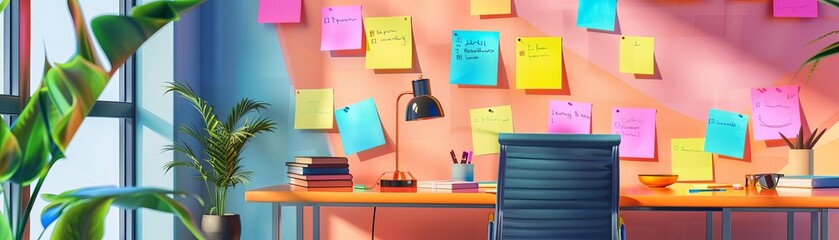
x,y
373,231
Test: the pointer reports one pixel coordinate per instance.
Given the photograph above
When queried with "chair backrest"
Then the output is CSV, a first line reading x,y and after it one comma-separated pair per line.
x,y
557,186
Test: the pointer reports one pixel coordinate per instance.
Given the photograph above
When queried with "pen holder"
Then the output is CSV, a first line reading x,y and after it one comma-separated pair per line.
x,y
463,172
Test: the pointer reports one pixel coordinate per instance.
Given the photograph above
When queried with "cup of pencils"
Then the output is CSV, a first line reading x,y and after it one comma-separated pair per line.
x,y
800,161
463,170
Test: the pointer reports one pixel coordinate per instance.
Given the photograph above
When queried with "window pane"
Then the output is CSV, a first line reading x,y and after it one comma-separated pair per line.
x,y
92,160
52,28
4,87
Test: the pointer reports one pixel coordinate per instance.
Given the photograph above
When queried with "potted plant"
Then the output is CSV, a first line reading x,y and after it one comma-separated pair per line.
x,y
218,162
800,160
827,51
46,125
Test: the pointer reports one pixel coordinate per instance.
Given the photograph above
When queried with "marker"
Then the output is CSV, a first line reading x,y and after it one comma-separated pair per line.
x,y
469,159
695,190
463,157
454,157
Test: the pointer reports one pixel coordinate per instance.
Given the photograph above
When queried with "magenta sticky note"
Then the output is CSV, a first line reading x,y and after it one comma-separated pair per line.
x,y
279,11
569,117
636,126
775,110
340,28
795,8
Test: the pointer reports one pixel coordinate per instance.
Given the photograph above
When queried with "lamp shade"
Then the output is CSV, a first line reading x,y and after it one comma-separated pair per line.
x,y
423,106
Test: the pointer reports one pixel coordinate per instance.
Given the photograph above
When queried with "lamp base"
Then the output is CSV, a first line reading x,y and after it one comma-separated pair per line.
x,y
398,179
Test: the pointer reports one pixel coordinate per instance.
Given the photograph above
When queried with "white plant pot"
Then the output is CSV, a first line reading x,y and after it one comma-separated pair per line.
x,y
800,162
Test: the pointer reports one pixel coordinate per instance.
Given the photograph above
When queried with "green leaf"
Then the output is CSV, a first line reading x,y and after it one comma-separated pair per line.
x,y
31,133
83,220
825,52
73,88
3,5
5,228
84,47
9,153
121,36
833,3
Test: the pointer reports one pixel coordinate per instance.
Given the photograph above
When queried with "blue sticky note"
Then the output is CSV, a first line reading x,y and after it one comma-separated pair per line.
x,y
359,126
474,58
597,14
726,133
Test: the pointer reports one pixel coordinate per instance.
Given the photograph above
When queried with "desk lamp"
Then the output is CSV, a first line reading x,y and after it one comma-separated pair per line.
x,y
422,107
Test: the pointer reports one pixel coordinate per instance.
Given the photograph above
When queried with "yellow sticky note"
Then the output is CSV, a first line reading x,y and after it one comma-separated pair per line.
x,y
637,55
690,161
313,109
489,7
486,124
539,63
389,42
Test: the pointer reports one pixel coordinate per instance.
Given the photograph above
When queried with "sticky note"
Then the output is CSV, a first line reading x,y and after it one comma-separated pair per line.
x,y
795,8
486,124
313,109
474,58
389,43
775,110
340,28
726,133
279,11
597,14
569,117
636,126
637,55
359,126
489,7
690,161
539,63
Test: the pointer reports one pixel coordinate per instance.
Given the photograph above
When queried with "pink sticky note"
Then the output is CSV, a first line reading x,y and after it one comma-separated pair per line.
x,y
340,28
775,110
637,129
279,11
796,8
569,117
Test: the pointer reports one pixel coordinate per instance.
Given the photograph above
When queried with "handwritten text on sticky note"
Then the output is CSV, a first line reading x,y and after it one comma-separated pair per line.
x,y
279,11
569,117
486,124
690,161
597,14
340,28
636,126
474,58
775,110
313,109
726,133
795,8
389,42
539,63
637,55
359,126
489,7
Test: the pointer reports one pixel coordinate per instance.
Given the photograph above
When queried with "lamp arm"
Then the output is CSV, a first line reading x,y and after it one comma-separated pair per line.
x,y
396,140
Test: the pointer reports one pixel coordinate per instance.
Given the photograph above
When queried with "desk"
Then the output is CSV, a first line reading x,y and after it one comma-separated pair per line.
x,y
673,198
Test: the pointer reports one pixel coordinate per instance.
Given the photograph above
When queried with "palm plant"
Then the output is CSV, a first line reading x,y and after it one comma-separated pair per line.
x,y
827,51
39,137
219,164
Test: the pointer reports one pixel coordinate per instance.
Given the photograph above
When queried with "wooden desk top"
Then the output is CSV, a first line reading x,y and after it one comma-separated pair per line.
x,y
637,196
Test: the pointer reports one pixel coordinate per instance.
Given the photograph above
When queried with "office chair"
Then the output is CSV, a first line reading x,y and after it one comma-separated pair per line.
x,y
557,186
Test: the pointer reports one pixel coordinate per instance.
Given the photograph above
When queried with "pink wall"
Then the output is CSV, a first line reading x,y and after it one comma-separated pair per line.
x,y
708,53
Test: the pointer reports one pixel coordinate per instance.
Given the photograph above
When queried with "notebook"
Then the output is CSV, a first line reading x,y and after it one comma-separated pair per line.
x,y
447,184
809,181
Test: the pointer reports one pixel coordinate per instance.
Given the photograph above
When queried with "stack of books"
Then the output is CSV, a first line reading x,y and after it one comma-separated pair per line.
x,y
319,172
449,186
809,181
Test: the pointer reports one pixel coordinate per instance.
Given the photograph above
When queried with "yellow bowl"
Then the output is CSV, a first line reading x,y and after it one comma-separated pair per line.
x,y
657,180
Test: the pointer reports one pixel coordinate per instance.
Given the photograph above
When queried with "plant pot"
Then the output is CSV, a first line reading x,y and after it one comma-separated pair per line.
x,y
800,162
226,227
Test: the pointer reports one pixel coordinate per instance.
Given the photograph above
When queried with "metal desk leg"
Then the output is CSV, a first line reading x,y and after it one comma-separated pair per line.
x,y
814,226
726,224
299,222
709,225
790,225
276,220
315,222
824,223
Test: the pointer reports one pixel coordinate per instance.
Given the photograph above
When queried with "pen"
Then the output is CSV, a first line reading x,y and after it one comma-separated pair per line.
x,y
454,157
463,157
694,190
469,159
